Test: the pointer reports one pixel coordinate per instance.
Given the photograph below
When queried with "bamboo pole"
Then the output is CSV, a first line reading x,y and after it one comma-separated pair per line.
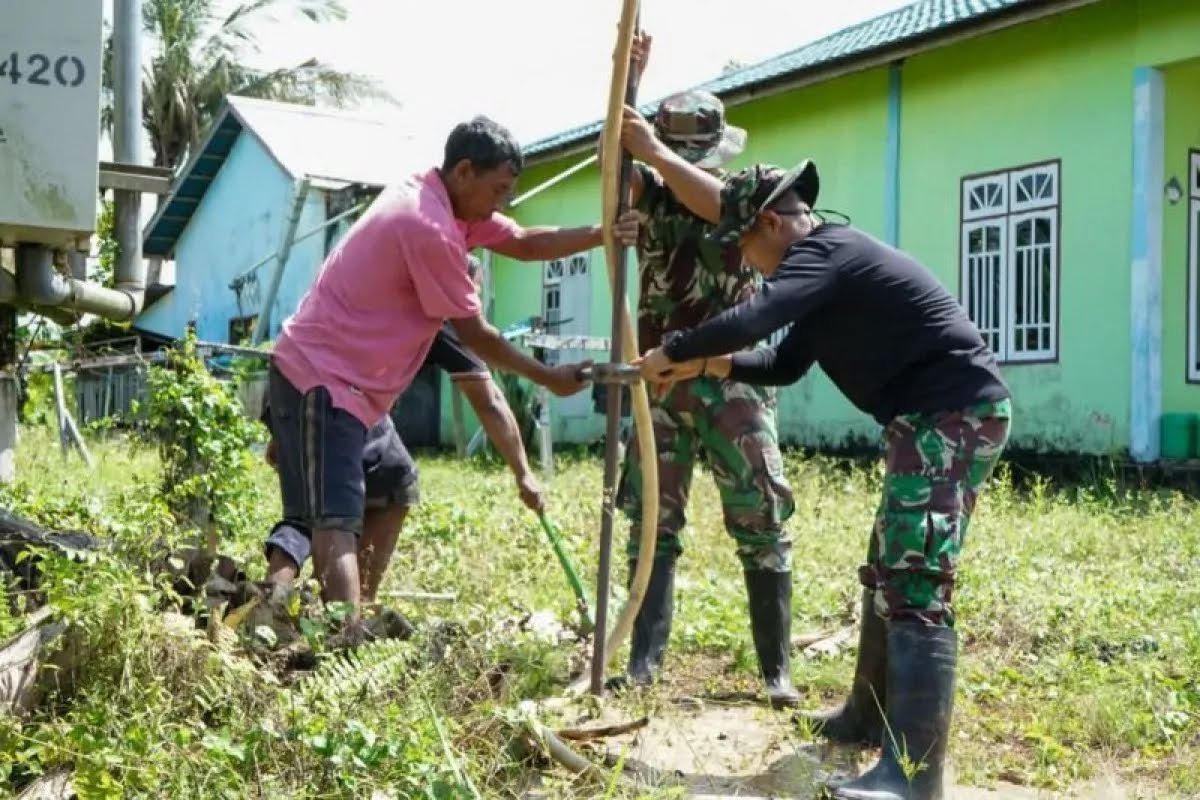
x,y
615,182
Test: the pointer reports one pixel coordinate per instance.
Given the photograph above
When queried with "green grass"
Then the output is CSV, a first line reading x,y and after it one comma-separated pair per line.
x,y
1079,617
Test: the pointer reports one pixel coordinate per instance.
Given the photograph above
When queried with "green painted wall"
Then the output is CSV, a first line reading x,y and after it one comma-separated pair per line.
x,y
1059,88
1081,64
1181,87
842,127
1055,89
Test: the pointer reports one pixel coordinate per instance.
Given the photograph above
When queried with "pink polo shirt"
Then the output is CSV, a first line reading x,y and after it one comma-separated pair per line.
x,y
364,327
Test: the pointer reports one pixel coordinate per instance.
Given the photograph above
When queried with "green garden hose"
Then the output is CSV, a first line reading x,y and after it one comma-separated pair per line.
x,y
581,603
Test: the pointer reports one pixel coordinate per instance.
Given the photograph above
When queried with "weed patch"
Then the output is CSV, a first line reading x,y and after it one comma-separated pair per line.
x,y
1079,613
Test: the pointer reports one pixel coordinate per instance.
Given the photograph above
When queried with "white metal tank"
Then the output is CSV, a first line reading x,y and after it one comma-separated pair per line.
x,y
50,70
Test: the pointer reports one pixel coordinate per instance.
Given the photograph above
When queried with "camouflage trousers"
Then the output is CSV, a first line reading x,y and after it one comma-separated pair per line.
x,y
732,425
937,465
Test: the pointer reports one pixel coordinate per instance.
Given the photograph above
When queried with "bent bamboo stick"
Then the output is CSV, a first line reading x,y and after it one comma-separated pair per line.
x,y
612,190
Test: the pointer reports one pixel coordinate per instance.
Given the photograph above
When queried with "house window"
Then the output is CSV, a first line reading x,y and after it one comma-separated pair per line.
x,y
564,279
1009,259
241,328
1193,364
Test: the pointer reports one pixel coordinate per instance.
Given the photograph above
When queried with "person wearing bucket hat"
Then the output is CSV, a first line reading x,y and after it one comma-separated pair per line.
x,y
685,279
692,123
902,349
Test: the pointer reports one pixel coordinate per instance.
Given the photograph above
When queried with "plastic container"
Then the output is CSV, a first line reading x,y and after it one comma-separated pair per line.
x,y
1178,435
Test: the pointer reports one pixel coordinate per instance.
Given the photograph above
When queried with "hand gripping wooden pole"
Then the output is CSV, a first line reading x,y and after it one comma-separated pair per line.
x,y
615,177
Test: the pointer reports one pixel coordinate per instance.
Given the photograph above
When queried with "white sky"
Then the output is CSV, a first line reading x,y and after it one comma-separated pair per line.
x,y
541,66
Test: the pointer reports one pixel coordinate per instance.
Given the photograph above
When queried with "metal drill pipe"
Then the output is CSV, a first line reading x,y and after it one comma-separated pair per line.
x,y
613,421
624,374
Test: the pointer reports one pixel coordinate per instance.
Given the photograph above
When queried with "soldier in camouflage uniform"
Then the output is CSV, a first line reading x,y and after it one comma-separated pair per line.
x,y
685,279
902,349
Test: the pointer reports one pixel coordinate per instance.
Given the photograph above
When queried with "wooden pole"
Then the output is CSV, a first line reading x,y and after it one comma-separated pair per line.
x,y
460,428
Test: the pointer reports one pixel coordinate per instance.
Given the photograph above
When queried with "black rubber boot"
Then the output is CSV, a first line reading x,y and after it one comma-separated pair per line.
x,y
770,598
859,720
920,700
652,626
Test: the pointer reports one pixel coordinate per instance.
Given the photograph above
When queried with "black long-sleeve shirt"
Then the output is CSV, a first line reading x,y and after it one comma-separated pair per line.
x,y
880,325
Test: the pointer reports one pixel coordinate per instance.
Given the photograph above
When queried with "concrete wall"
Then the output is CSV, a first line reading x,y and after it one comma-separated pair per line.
x,y
1057,89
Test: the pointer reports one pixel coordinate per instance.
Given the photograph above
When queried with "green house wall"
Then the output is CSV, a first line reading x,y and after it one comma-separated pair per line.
x,y
1058,89
1181,85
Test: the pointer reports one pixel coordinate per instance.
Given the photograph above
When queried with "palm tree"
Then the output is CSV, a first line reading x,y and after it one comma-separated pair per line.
x,y
195,58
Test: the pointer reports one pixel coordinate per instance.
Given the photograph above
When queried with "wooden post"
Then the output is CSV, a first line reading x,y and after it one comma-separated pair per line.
x,y
68,433
460,427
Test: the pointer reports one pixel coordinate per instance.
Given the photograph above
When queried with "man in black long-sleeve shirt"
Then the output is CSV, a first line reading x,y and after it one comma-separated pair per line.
x,y
900,348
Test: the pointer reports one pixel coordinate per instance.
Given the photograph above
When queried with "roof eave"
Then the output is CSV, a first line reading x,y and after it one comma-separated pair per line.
x,y
180,177
860,62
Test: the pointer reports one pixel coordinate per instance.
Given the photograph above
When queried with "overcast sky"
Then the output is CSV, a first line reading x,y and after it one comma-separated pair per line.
x,y
540,66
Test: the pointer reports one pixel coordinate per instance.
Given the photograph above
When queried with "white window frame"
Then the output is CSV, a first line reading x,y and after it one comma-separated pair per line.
x,y
553,273
1004,201
1193,287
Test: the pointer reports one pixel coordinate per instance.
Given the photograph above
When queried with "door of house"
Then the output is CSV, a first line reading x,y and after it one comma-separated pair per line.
x,y
567,310
418,412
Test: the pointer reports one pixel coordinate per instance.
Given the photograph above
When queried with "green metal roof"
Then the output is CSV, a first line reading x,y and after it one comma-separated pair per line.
x,y
904,26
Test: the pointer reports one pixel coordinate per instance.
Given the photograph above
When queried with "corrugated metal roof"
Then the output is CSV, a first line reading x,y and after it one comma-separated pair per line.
x,y
323,143
910,23
335,146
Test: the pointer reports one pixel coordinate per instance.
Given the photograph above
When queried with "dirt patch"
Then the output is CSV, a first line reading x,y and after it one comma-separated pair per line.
x,y
738,750
725,750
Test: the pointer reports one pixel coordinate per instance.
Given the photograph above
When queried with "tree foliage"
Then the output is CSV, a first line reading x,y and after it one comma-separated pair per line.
x,y
197,55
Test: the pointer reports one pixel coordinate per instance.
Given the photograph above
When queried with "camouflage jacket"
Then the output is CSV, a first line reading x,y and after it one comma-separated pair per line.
x,y
685,279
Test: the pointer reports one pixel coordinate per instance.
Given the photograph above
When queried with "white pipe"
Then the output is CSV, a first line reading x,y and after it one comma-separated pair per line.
x,y
562,176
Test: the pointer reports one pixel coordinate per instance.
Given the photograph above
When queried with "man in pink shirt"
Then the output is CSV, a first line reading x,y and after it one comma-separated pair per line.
x,y
364,327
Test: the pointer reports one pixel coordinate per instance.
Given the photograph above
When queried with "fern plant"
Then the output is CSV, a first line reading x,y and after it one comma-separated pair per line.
x,y
350,675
